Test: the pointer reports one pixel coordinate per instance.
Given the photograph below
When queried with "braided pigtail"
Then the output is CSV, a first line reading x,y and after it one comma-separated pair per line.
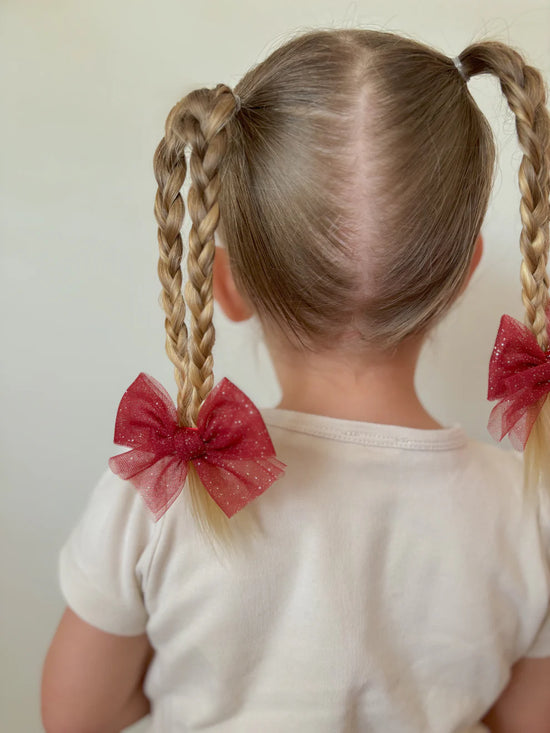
x,y
199,121
170,170
525,91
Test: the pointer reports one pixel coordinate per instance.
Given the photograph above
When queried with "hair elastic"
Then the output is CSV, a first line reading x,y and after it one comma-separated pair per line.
x,y
237,101
458,63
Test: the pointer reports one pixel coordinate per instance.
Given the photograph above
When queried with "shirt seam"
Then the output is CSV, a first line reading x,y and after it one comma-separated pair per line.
x,y
154,543
70,562
374,439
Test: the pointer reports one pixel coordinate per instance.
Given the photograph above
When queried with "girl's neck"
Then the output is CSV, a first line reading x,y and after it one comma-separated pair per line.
x,y
373,390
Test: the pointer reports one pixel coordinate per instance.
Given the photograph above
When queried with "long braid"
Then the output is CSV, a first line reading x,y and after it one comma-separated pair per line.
x,y
170,169
203,209
208,138
525,91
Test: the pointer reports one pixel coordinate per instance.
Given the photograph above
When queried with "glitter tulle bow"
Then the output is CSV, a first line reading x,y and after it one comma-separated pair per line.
x,y
230,448
519,376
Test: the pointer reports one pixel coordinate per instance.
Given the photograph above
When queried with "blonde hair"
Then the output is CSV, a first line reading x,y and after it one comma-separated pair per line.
x,y
349,189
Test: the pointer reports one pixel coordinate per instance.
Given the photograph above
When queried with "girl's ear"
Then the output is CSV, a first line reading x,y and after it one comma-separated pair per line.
x,y
476,257
225,292
478,252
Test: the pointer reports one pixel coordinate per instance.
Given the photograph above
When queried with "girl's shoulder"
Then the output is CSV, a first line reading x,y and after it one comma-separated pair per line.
x,y
524,511
107,554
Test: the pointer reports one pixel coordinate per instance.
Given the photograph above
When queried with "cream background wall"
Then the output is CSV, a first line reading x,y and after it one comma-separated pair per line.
x,y
85,89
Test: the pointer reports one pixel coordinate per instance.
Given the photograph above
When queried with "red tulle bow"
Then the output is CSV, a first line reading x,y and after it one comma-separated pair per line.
x,y
519,376
230,447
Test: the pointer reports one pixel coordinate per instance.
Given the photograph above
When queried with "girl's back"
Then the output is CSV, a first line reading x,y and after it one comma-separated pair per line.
x,y
398,576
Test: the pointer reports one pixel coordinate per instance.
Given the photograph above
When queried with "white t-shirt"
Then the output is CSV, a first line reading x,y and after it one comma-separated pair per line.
x,y
400,574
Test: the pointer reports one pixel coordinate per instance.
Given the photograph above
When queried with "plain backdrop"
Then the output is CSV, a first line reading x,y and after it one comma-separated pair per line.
x,y
85,89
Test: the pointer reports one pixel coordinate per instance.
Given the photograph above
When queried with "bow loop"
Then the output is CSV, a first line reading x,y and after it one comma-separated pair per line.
x,y
230,447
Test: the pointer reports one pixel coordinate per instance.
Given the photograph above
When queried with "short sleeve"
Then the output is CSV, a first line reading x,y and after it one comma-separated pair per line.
x,y
540,646
103,561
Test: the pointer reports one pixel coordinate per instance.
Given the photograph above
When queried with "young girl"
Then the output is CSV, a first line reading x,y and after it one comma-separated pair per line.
x,y
340,562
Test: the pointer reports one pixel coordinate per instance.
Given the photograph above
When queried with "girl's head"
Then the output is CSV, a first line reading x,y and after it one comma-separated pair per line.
x,y
348,205
349,187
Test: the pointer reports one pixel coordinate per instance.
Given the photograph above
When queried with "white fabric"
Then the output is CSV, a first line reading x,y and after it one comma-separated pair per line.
x,y
400,574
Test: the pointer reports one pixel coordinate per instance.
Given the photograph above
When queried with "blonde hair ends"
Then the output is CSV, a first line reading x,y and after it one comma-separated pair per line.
x,y
349,189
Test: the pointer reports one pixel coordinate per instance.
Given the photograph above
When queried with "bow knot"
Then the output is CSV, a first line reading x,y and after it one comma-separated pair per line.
x,y
230,448
188,443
